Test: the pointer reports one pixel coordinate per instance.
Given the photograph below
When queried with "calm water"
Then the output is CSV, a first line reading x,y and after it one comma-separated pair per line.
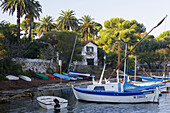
x,y
27,105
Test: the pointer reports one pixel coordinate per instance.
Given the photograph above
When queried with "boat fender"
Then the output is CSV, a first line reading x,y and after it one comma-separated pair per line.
x,y
57,105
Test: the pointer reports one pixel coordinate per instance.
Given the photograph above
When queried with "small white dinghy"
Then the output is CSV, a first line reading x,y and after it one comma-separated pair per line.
x,y
52,102
12,77
25,78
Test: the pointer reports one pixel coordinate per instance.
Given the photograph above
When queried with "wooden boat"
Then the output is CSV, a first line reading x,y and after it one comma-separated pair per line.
x,y
62,76
50,76
25,78
81,74
114,93
52,102
41,76
12,77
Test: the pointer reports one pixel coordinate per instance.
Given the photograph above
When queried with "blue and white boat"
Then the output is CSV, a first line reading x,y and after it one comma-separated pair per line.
x,y
62,76
72,77
166,81
80,74
162,87
115,93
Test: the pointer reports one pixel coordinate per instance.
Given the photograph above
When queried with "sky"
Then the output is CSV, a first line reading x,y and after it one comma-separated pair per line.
x,y
148,12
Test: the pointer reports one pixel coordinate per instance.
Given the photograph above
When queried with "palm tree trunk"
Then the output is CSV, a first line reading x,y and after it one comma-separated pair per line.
x,y
67,28
18,22
86,38
29,32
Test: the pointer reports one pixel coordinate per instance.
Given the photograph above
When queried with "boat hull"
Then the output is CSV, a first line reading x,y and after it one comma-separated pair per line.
x,y
166,81
41,76
12,77
62,76
50,76
115,97
47,102
162,87
80,74
25,78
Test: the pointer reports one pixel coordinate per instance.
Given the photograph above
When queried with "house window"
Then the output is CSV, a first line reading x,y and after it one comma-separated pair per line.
x,y
89,49
99,88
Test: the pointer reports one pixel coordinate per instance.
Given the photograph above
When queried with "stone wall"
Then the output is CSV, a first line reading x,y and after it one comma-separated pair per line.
x,y
36,65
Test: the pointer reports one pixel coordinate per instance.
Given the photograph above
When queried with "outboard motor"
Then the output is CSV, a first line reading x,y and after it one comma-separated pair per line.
x,y
57,105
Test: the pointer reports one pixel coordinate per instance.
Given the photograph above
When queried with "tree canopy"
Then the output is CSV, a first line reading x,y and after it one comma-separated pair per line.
x,y
127,31
152,51
62,43
88,27
22,7
46,24
67,20
163,35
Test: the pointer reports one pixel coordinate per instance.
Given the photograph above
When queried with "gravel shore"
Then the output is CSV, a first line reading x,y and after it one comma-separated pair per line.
x,y
13,89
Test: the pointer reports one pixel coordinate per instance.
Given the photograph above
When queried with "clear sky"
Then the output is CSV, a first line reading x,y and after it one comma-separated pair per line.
x,y
148,12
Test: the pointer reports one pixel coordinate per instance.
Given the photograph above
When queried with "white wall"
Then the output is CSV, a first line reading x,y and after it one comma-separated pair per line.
x,y
36,65
92,56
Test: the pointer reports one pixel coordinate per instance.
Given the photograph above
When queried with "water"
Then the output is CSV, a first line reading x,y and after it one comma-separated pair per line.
x,y
27,105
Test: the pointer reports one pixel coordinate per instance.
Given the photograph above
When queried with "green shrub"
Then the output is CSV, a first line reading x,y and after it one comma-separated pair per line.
x,y
3,77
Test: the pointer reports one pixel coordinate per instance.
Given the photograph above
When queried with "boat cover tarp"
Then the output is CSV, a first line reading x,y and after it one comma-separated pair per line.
x,y
131,87
71,75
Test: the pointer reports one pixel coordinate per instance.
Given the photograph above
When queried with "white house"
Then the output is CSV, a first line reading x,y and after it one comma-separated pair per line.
x,y
89,53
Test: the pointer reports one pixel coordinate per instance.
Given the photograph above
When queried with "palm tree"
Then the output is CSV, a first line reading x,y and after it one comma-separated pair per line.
x,y
67,20
86,26
46,24
22,6
35,8
96,28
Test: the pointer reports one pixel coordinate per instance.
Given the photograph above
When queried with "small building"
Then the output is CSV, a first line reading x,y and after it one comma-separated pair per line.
x,y
89,53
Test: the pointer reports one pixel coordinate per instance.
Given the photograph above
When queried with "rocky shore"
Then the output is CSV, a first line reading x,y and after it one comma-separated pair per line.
x,y
14,89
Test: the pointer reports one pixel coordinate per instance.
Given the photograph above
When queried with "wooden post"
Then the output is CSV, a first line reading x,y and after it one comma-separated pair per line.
x,y
60,64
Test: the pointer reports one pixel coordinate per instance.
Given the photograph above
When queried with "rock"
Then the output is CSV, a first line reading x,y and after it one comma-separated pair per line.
x,y
4,100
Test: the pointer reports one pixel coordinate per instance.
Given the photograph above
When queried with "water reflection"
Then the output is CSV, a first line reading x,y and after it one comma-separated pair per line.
x,y
26,105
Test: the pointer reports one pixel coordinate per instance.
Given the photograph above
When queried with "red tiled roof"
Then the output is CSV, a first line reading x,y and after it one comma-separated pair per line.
x,y
83,43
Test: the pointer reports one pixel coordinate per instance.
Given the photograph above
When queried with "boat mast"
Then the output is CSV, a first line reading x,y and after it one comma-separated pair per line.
x,y
72,54
118,60
101,77
164,66
136,46
125,62
135,66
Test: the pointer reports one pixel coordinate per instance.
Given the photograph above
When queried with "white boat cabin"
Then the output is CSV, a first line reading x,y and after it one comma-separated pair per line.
x,y
118,87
